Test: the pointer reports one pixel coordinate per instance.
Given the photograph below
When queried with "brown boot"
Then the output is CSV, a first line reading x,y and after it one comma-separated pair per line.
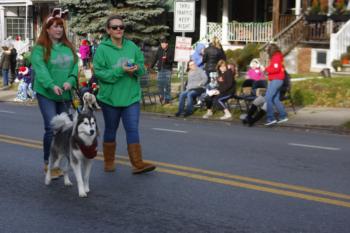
x,y
135,156
109,156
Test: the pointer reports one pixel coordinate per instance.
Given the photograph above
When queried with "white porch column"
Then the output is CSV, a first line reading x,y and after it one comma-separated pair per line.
x,y
203,30
2,24
330,6
297,7
224,22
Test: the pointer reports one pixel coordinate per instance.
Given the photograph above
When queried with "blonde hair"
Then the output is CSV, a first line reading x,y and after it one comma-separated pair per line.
x,y
216,42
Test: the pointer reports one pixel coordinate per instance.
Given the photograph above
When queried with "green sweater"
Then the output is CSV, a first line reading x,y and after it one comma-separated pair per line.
x,y
59,69
117,88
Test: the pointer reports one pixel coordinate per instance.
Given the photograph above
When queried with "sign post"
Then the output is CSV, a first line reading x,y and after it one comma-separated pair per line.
x,y
184,21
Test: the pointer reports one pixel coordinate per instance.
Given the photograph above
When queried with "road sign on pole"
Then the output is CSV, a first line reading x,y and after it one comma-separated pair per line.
x,y
184,15
184,21
183,48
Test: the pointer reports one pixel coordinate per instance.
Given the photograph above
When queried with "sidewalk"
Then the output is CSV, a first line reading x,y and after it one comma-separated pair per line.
x,y
307,117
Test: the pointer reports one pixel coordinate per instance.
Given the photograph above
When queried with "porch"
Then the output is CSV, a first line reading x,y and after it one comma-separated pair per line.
x,y
317,33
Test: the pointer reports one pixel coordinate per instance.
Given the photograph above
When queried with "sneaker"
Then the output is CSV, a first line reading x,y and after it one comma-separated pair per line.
x,y
178,114
207,115
187,114
226,117
282,120
198,104
271,123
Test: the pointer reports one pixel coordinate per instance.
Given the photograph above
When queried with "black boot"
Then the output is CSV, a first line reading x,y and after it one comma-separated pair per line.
x,y
257,117
250,114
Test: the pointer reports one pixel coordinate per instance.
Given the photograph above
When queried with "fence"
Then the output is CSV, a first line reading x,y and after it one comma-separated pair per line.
x,y
243,32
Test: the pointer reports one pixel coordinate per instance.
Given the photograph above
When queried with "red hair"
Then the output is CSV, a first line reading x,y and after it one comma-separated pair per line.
x,y
45,41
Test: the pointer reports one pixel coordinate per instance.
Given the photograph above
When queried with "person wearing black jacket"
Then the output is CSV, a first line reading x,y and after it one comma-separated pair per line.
x,y
13,64
164,60
226,87
212,55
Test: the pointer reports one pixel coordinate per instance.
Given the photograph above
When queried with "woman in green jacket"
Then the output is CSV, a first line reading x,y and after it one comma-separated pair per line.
x,y
118,66
55,64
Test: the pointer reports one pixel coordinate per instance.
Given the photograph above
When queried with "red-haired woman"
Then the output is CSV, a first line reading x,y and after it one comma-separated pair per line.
x,y
55,65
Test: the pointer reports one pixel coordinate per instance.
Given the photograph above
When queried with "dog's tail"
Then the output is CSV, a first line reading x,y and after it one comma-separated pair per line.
x,y
61,122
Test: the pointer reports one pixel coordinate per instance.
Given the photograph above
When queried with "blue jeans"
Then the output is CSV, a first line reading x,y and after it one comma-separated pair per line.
x,y
130,116
5,77
164,78
273,99
49,109
189,96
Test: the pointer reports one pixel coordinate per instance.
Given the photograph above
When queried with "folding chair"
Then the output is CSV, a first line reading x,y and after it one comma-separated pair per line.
x,y
246,94
148,91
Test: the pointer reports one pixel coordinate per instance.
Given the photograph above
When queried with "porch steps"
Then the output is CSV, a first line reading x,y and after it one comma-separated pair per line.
x,y
341,73
346,68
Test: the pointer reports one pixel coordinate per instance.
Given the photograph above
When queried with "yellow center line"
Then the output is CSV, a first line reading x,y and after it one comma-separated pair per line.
x,y
253,180
188,172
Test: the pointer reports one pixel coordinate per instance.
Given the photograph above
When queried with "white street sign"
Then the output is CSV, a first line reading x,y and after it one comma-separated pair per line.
x,y
183,49
184,16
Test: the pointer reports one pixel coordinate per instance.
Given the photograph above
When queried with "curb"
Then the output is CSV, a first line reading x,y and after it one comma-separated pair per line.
x,y
316,128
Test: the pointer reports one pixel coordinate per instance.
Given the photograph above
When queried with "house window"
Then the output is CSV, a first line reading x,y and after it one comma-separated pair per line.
x,y
16,27
321,57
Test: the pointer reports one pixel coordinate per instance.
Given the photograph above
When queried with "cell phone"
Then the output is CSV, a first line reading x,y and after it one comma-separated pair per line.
x,y
130,63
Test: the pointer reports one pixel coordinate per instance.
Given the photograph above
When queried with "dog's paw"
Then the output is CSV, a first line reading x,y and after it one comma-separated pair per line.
x,y
87,189
82,194
68,183
47,181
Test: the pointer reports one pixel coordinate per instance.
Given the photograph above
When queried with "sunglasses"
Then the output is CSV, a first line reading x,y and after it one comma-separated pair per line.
x,y
115,27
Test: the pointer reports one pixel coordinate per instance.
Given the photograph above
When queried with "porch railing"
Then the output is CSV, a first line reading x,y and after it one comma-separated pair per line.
x,y
214,29
249,32
285,21
339,42
242,32
286,39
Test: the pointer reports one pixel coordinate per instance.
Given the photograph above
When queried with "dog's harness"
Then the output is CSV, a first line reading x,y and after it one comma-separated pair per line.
x,y
89,152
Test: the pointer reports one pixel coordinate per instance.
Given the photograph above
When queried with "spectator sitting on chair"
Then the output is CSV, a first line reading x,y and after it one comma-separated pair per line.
x,y
195,87
219,96
197,55
213,84
255,71
258,108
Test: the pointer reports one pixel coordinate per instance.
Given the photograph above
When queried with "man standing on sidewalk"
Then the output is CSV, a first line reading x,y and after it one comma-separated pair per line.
x,y
164,59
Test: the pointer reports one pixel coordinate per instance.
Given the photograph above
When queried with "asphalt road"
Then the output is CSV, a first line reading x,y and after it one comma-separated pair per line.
x,y
211,177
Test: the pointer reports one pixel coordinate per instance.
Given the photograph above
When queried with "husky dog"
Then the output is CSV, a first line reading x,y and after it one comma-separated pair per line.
x,y
75,141
89,102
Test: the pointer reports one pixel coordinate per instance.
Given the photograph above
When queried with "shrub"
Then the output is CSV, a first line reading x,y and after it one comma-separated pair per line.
x,y
336,64
243,56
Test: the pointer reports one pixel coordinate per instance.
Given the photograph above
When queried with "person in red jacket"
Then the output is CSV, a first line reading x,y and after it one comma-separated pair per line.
x,y
276,74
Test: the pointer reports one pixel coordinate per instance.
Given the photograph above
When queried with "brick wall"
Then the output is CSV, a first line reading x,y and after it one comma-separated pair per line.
x,y
304,60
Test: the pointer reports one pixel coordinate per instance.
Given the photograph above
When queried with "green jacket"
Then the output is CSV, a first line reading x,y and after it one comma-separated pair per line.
x,y
116,87
59,69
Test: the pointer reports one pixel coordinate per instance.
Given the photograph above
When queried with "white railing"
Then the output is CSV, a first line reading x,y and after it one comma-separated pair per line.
x,y
339,42
250,32
214,29
243,32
